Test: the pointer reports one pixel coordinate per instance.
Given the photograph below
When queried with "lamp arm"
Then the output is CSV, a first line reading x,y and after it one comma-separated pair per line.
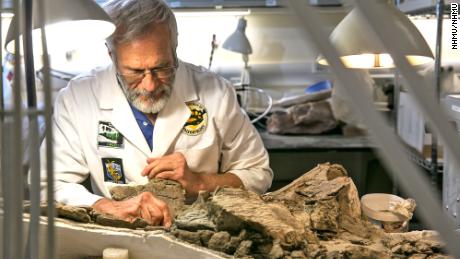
x,y
29,55
32,247
246,60
245,77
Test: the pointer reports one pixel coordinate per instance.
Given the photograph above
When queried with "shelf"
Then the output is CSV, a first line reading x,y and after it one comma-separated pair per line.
x,y
201,5
421,161
220,3
423,6
280,142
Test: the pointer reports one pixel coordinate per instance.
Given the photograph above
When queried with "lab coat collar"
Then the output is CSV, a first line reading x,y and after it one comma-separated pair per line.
x,y
107,86
184,84
123,119
170,120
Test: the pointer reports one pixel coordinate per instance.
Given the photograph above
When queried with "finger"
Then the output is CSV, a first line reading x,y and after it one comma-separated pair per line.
x,y
151,159
161,167
171,175
149,203
171,159
149,167
156,216
167,219
155,166
131,206
145,214
130,219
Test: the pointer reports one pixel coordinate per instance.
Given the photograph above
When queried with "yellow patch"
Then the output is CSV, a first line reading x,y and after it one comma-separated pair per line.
x,y
198,120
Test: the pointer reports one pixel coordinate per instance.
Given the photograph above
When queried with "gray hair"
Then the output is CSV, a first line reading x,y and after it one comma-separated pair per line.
x,y
134,18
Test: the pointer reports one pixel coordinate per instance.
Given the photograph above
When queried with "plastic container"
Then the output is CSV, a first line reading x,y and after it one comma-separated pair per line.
x,y
325,85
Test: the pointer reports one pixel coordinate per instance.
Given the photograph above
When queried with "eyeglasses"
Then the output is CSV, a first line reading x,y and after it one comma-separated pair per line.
x,y
161,73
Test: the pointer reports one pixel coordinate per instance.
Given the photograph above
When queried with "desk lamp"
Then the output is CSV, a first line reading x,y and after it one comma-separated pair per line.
x,y
359,49
68,24
239,43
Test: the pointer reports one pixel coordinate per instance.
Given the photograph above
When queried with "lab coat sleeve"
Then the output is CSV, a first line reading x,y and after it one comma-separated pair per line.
x,y
70,168
243,152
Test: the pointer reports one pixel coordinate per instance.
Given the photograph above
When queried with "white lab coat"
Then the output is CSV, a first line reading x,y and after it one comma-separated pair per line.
x,y
229,144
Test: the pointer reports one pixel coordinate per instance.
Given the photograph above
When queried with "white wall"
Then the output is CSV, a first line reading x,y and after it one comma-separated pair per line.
x,y
281,55
282,58
427,26
275,37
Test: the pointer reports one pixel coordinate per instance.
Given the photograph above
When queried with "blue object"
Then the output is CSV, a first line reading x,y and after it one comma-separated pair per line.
x,y
319,87
145,125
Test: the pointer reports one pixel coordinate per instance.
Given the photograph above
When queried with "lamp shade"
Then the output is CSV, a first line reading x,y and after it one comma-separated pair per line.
x,y
237,41
68,24
358,48
7,5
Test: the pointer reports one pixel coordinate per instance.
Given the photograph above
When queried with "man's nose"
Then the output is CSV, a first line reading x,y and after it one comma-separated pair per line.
x,y
149,82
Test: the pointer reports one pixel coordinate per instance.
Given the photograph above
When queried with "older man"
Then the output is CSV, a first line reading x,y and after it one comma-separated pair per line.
x,y
150,115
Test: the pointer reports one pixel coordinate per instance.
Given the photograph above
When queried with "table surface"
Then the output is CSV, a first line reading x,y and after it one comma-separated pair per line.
x,y
273,142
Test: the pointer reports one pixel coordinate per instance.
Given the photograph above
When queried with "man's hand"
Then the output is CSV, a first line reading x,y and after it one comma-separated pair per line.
x,y
174,167
144,206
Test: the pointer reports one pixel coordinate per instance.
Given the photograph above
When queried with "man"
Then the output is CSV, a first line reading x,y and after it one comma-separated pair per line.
x,y
149,115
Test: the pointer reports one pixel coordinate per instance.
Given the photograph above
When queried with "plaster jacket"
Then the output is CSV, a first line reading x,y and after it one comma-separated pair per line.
x,y
227,143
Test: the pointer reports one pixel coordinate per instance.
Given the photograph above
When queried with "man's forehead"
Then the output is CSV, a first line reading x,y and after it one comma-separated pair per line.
x,y
153,31
149,44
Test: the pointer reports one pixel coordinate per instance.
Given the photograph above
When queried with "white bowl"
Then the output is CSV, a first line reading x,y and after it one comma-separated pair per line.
x,y
377,207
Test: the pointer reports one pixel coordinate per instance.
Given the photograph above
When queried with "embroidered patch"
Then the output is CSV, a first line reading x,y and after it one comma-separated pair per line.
x,y
113,170
198,121
108,136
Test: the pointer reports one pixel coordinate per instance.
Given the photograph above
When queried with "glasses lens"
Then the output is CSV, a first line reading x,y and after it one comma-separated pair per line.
x,y
133,78
163,73
159,73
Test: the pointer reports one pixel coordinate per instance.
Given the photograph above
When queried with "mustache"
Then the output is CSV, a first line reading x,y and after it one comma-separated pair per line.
x,y
151,94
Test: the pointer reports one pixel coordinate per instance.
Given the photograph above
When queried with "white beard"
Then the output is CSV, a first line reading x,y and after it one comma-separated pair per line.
x,y
149,102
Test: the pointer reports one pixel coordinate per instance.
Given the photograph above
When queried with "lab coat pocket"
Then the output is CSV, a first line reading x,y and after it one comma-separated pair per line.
x,y
201,151
202,141
202,159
